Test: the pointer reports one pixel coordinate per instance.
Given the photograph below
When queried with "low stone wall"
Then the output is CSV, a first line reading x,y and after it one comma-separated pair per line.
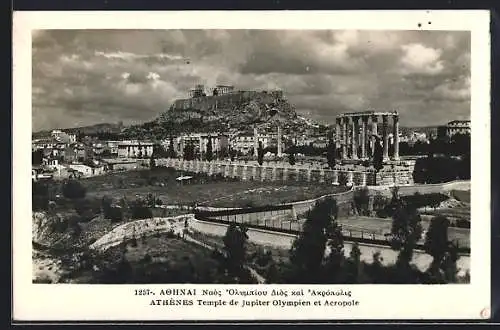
x,y
140,228
272,171
423,189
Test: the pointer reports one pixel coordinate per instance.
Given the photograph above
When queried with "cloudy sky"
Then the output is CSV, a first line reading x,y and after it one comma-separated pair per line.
x,y
83,77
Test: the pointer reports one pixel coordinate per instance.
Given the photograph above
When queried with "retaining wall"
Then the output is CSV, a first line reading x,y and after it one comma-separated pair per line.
x,y
271,171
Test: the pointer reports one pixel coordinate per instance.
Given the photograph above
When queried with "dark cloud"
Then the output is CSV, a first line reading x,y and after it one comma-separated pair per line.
x,y
83,77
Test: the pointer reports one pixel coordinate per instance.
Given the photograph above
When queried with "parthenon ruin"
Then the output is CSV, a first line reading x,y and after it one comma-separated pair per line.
x,y
354,140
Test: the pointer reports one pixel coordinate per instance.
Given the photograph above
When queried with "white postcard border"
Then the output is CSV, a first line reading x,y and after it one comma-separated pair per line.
x,y
117,302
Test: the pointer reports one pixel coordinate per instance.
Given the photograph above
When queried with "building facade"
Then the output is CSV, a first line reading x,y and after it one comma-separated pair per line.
x,y
135,149
457,127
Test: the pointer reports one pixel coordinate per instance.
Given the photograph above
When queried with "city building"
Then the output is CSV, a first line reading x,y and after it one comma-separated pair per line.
x,y
457,127
199,141
135,149
64,137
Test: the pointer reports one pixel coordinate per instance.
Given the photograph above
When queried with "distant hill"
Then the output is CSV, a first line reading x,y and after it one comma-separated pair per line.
x,y
239,111
102,128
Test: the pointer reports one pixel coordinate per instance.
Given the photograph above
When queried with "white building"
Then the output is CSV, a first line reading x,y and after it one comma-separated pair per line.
x,y
135,149
200,141
244,142
458,127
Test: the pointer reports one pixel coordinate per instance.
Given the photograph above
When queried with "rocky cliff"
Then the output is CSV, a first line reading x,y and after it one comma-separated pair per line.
x,y
238,110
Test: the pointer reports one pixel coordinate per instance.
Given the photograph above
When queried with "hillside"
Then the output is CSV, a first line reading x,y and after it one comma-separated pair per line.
x,y
101,128
235,111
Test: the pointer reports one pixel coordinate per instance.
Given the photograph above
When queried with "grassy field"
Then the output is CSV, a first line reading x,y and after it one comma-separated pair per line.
x,y
217,193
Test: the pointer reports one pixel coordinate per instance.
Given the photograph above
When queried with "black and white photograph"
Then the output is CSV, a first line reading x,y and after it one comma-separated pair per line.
x,y
240,156
257,156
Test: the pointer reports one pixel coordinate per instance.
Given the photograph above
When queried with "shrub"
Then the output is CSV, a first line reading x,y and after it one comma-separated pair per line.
x,y
139,210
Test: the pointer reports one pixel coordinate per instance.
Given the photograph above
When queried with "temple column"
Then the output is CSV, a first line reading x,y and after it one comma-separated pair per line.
x,y
255,141
344,138
337,131
350,177
385,136
244,175
285,174
395,134
364,134
279,142
354,142
374,132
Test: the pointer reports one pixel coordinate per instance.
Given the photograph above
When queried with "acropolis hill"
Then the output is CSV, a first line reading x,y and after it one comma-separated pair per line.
x,y
223,107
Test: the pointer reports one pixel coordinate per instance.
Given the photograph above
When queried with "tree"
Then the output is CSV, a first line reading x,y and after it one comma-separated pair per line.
x,y
354,265
152,161
171,150
209,153
235,241
308,249
449,264
291,155
331,153
260,154
189,151
436,240
37,157
334,267
406,230
378,161
73,189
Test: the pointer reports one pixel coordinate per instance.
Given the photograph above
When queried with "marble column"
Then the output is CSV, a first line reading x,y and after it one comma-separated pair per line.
x,y
385,136
374,132
244,173
350,177
235,170
395,135
255,141
364,134
363,182
280,152
285,174
337,131
336,177
344,138
354,142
